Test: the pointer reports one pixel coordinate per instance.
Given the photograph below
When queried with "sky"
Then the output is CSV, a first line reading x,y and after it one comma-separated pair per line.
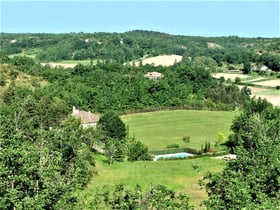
x,y
259,18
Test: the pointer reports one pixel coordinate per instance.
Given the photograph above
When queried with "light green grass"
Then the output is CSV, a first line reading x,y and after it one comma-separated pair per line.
x,y
22,54
159,129
83,62
178,175
270,92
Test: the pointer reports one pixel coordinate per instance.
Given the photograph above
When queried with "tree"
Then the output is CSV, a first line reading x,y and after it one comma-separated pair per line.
x,y
112,125
220,139
206,63
242,185
110,151
246,66
120,197
137,151
41,172
245,122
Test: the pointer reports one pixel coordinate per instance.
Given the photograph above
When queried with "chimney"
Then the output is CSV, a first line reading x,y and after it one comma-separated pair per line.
x,y
75,111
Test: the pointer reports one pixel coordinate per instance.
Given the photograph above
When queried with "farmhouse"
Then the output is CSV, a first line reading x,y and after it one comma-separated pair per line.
x,y
153,75
259,67
87,118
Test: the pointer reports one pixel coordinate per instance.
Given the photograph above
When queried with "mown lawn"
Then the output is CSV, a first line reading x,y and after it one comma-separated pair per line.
x,y
159,129
178,175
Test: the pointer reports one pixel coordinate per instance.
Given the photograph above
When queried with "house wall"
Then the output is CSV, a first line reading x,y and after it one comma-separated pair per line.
x,y
86,125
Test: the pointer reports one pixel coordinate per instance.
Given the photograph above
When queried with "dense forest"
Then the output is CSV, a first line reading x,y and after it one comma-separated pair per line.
x,y
47,158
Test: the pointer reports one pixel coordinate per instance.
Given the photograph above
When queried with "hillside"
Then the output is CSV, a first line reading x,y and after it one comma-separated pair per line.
x,y
50,161
133,45
11,77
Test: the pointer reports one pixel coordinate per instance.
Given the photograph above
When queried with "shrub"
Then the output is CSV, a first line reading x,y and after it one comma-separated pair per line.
x,y
173,146
237,80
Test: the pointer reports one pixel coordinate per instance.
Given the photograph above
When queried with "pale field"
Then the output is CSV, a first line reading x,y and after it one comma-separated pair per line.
x,y
274,99
229,76
269,83
161,60
64,65
258,92
254,89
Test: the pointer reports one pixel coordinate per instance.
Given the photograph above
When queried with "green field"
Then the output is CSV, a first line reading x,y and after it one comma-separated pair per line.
x,y
159,129
83,62
178,175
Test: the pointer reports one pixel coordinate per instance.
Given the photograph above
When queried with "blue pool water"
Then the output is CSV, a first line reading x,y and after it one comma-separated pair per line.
x,y
174,155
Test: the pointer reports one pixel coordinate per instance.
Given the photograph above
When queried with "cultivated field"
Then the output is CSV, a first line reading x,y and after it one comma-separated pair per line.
x,y
262,91
229,76
70,63
64,65
272,96
162,60
269,83
159,129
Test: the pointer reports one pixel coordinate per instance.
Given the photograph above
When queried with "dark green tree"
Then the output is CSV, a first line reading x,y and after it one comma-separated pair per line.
x,y
247,66
112,125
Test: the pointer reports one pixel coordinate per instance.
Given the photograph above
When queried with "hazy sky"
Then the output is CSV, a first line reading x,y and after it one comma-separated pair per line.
x,y
185,17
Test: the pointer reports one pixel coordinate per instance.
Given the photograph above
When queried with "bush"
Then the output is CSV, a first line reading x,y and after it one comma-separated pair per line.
x,y
237,80
173,146
138,151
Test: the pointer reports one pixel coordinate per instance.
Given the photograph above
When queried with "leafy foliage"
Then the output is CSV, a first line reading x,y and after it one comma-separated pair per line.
x,y
252,180
137,151
122,47
40,168
112,126
158,197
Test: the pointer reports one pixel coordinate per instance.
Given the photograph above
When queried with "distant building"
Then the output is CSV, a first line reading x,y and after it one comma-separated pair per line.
x,y
87,118
153,75
260,68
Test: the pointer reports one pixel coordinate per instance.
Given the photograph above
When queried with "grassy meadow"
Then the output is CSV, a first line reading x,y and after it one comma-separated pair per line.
x,y
178,175
159,129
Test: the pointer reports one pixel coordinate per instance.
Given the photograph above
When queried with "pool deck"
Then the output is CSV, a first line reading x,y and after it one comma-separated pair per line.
x,y
173,155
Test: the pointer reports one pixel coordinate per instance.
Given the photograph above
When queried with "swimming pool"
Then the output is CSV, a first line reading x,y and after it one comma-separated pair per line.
x,y
174,155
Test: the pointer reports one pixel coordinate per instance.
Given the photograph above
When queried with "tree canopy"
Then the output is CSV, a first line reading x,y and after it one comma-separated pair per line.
x,y
252,180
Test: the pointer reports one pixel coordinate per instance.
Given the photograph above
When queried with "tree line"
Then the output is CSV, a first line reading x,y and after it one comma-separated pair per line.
x,y
123,88
124,47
